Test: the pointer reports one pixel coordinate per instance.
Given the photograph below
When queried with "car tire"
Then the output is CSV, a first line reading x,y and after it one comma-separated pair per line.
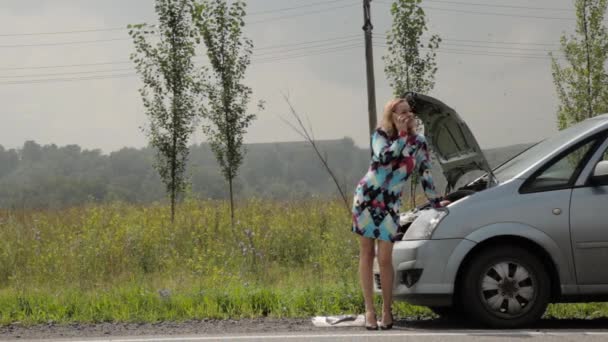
x,y
505,287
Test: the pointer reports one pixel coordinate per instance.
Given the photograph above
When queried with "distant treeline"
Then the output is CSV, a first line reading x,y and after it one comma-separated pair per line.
x,y
48,176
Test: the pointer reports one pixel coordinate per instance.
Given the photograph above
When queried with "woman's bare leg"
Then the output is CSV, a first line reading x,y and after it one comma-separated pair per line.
x,y
366,260
387,274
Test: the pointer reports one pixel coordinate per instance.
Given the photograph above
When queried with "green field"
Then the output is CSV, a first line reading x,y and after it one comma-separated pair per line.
x,y
122,262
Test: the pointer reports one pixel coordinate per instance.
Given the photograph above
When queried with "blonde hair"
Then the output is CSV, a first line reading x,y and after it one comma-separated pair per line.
x,y
386,123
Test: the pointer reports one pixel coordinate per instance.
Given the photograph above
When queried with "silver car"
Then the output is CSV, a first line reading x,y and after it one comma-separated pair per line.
x,y
532,231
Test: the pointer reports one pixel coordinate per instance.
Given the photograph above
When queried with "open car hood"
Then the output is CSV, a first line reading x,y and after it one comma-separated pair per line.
x,y
450,138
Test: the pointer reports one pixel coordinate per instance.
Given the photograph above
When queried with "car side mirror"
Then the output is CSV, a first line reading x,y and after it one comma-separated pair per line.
x,y
600,173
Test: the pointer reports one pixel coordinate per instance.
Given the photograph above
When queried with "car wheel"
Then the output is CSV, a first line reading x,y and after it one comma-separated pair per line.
x,y
505,287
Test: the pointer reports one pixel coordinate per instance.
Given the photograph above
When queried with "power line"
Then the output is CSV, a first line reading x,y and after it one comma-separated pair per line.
x,y
65,43
315,47
497,14
335,49
498,47
125,39
285,9
505,43
474,51
488,13
484,53
124,28
66,73
503,6
344,48
301,14
66,65
313,44
127,62
122,39
379,35
307,44
457,52
273,19
509,48
266,47
64,32
53,80
323,45
315,53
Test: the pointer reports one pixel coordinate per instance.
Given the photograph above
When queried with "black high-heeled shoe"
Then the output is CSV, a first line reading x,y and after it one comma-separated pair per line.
x,y
388,326
369,326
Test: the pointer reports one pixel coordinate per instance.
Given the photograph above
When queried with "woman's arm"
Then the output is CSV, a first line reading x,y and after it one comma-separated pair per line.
x,y
383,151
423,160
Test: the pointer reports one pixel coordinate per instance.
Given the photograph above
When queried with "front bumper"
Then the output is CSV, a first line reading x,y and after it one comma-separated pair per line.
x,y
419,272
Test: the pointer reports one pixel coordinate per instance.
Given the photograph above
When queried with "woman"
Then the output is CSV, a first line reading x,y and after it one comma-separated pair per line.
x,y
397,152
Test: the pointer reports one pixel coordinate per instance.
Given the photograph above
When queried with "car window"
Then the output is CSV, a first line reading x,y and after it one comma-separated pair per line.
x,y
561,172
531,156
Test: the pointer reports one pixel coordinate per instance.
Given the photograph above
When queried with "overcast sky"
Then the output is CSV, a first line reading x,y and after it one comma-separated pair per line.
x,y
504,99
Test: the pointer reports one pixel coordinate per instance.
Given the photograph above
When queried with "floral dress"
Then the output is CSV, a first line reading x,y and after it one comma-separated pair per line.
x,y
378,195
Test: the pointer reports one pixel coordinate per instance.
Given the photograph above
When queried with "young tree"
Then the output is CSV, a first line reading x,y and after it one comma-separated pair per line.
x,y
582,84
406,66
229,51
170,92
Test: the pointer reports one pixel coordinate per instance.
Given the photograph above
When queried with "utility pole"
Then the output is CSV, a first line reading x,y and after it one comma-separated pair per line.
x,y
369,61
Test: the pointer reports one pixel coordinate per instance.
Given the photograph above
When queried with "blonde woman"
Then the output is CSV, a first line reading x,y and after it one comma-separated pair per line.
x,y
397,152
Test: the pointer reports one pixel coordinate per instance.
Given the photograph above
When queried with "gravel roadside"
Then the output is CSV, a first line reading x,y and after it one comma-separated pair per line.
x,y
15,332
198,327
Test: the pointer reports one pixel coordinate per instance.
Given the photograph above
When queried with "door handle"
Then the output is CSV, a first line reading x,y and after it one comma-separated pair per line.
x,y
557,211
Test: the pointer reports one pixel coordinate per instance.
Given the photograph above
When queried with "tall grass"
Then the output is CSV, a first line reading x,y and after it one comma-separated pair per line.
x,y
98,245
122,262
125,262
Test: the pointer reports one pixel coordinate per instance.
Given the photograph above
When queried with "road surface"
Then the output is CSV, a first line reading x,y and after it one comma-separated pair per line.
x,y
296,330
384,336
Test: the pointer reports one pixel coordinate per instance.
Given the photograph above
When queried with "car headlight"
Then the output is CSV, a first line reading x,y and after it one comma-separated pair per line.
x,y
426,223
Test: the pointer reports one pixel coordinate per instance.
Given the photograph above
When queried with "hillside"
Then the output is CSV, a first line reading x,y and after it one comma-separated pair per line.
x,y
49,176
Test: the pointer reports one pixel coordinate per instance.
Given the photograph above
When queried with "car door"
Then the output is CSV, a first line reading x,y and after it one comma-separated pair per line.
x,y
546,195
589,225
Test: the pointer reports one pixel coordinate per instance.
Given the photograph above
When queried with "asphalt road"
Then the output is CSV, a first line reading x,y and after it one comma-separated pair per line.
x,y
388,336
296,330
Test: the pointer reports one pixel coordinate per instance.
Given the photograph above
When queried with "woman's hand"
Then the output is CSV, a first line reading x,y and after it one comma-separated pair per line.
x,y
402,122
444,203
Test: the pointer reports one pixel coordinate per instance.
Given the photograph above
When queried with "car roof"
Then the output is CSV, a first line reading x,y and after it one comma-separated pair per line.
x,y
602,123
600,117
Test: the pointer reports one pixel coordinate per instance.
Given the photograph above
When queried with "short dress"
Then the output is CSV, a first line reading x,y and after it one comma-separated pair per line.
x,y
377,198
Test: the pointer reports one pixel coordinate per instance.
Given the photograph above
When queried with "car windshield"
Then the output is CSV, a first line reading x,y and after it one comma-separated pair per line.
x,y
525,160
